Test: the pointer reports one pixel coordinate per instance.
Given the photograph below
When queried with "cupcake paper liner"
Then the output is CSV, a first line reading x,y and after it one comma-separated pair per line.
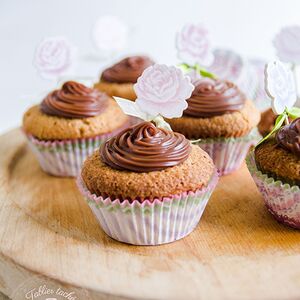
x,y
281,199
65,157
229,153
149,223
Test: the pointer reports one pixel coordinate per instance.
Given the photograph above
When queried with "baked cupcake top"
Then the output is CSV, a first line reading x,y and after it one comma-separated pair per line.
x,y
72,112
214,97
279,156
146,162
145,148
128,70
74,100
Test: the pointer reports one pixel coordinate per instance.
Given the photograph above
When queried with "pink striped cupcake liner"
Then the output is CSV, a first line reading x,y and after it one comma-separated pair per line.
x,y
149,223
229,153
64,158
281,199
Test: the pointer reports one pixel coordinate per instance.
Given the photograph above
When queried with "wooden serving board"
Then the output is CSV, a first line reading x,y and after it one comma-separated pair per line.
x,y
49,236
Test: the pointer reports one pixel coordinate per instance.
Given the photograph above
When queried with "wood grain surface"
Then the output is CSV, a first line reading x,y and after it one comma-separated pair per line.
x,y
48,235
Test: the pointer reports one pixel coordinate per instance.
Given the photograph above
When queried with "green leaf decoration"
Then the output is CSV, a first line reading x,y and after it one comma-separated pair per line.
x,y
184,67
203,72
293,112
278,123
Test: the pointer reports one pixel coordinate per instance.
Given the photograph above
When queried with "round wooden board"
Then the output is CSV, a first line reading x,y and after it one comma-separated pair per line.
x,y
49,235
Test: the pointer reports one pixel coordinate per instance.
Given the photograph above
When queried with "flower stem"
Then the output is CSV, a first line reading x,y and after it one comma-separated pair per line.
x,y
287,122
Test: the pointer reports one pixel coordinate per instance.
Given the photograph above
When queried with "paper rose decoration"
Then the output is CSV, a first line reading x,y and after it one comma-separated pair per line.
x,y
193,45
287,44
280,86
54,57
109,34
161,92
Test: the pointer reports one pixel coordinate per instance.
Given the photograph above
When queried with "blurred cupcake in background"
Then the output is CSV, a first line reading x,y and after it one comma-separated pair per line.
x,y
223,121
194,49
247,74
275,162
149,185
118,80
69,124
286,44
267,122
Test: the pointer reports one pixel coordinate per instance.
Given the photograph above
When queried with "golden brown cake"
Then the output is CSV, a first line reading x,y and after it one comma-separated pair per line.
x,y
118,80
279,156
267,122
235,124
191,175
136,177
47,127
123,90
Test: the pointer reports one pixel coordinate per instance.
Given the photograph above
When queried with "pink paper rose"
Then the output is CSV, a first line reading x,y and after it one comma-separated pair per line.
x,y
287,44
193,45
280,86
163,90
54,57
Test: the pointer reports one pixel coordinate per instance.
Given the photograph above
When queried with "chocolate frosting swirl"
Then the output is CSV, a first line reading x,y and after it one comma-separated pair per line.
x,y
214,97
288,137
74,100
128,70
145,148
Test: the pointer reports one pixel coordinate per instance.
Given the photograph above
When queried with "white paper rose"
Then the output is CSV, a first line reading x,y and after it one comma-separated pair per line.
x,y
54,57
110,34
280,86
163,90
287,44
193,45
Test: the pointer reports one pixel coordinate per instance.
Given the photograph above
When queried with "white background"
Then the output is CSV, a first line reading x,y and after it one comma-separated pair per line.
x,y
247,26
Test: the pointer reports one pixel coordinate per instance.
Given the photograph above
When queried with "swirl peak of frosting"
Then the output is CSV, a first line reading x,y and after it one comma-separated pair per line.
x,y
288,137
214,97
145,148
128,70
74,100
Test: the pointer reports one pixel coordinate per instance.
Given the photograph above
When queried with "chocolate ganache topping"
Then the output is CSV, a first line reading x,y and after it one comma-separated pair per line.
x,y
288,137
74,100
145,148
214,97
128,70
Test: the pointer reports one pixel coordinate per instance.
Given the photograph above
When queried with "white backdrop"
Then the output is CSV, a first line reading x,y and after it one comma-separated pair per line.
x,y
247,26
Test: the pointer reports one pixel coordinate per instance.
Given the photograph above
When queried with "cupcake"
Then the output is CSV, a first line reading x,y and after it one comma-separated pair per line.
x,y
69,125
222,121
275,162
267,122
147,185
275,167
118,80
